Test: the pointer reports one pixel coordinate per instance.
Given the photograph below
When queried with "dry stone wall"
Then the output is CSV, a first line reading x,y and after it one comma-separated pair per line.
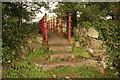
x,y
87,39
32,43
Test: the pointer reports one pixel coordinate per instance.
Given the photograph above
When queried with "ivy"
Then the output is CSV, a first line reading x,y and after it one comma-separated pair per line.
x,y
109,33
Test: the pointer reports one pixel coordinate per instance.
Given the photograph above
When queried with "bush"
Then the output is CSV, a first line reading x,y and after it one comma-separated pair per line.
x,y
12,38
109,33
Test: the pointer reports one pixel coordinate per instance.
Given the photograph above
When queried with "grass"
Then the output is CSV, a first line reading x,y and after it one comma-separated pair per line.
x,y
88,72
80,52
41,53
24,69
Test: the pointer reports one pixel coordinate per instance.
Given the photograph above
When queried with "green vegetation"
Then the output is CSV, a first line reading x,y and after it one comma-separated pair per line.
x,y
41,53
17,25
13,13
24,69
80,52
17,69
94,15
13,38
109,32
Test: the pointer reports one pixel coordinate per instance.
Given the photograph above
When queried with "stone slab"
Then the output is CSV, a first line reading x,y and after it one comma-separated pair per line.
x,y
60,48
64,55
45,65
52,66
92,33
96,44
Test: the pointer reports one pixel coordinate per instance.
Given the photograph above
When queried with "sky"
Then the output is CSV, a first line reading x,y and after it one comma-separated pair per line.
x,y
40,15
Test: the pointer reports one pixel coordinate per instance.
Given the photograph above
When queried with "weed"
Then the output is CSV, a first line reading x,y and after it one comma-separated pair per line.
x,y
87,72
80,52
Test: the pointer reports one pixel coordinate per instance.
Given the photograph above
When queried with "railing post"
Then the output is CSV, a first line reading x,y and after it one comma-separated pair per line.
x,y
48,25
41,25
61,27
45,30
51,24
69,25
56,25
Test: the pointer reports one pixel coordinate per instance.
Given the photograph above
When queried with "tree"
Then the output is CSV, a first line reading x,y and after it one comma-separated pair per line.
x,y
17,12
13,30
90,11
64,8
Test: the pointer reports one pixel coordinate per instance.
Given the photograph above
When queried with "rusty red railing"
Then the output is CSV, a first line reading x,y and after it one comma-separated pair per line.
x,y
57,25
44,29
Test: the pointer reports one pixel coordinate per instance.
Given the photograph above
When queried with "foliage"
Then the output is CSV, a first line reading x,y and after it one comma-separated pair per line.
x,y
15,13
24,69
17,69
15,17
89,72
41,53
92,12
13,38
80,52
109,32
87,11
63,8
112,73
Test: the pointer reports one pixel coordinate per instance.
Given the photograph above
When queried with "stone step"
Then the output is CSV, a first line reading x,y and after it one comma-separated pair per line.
x,y
57,65
45,65
62,55
60,48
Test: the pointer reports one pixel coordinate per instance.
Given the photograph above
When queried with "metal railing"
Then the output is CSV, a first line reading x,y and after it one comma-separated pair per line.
x,y
58,24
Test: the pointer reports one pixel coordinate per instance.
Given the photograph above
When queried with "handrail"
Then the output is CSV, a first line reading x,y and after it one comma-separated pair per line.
x,y
55,24
44,29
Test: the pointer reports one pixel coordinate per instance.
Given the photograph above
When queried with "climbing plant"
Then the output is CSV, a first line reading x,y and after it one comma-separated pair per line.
x,y
109,33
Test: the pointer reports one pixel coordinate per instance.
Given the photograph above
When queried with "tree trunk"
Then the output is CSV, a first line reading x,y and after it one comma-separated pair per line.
x,y
20,16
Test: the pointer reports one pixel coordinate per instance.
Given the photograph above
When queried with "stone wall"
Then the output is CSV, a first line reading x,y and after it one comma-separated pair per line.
x,y
87,39
32,42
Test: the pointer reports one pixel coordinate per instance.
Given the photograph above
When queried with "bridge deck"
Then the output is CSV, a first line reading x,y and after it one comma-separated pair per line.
x,y
55,39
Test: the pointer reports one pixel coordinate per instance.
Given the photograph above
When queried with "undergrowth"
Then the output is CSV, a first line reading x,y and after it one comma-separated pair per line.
x,y
80,52
24,69
41,53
